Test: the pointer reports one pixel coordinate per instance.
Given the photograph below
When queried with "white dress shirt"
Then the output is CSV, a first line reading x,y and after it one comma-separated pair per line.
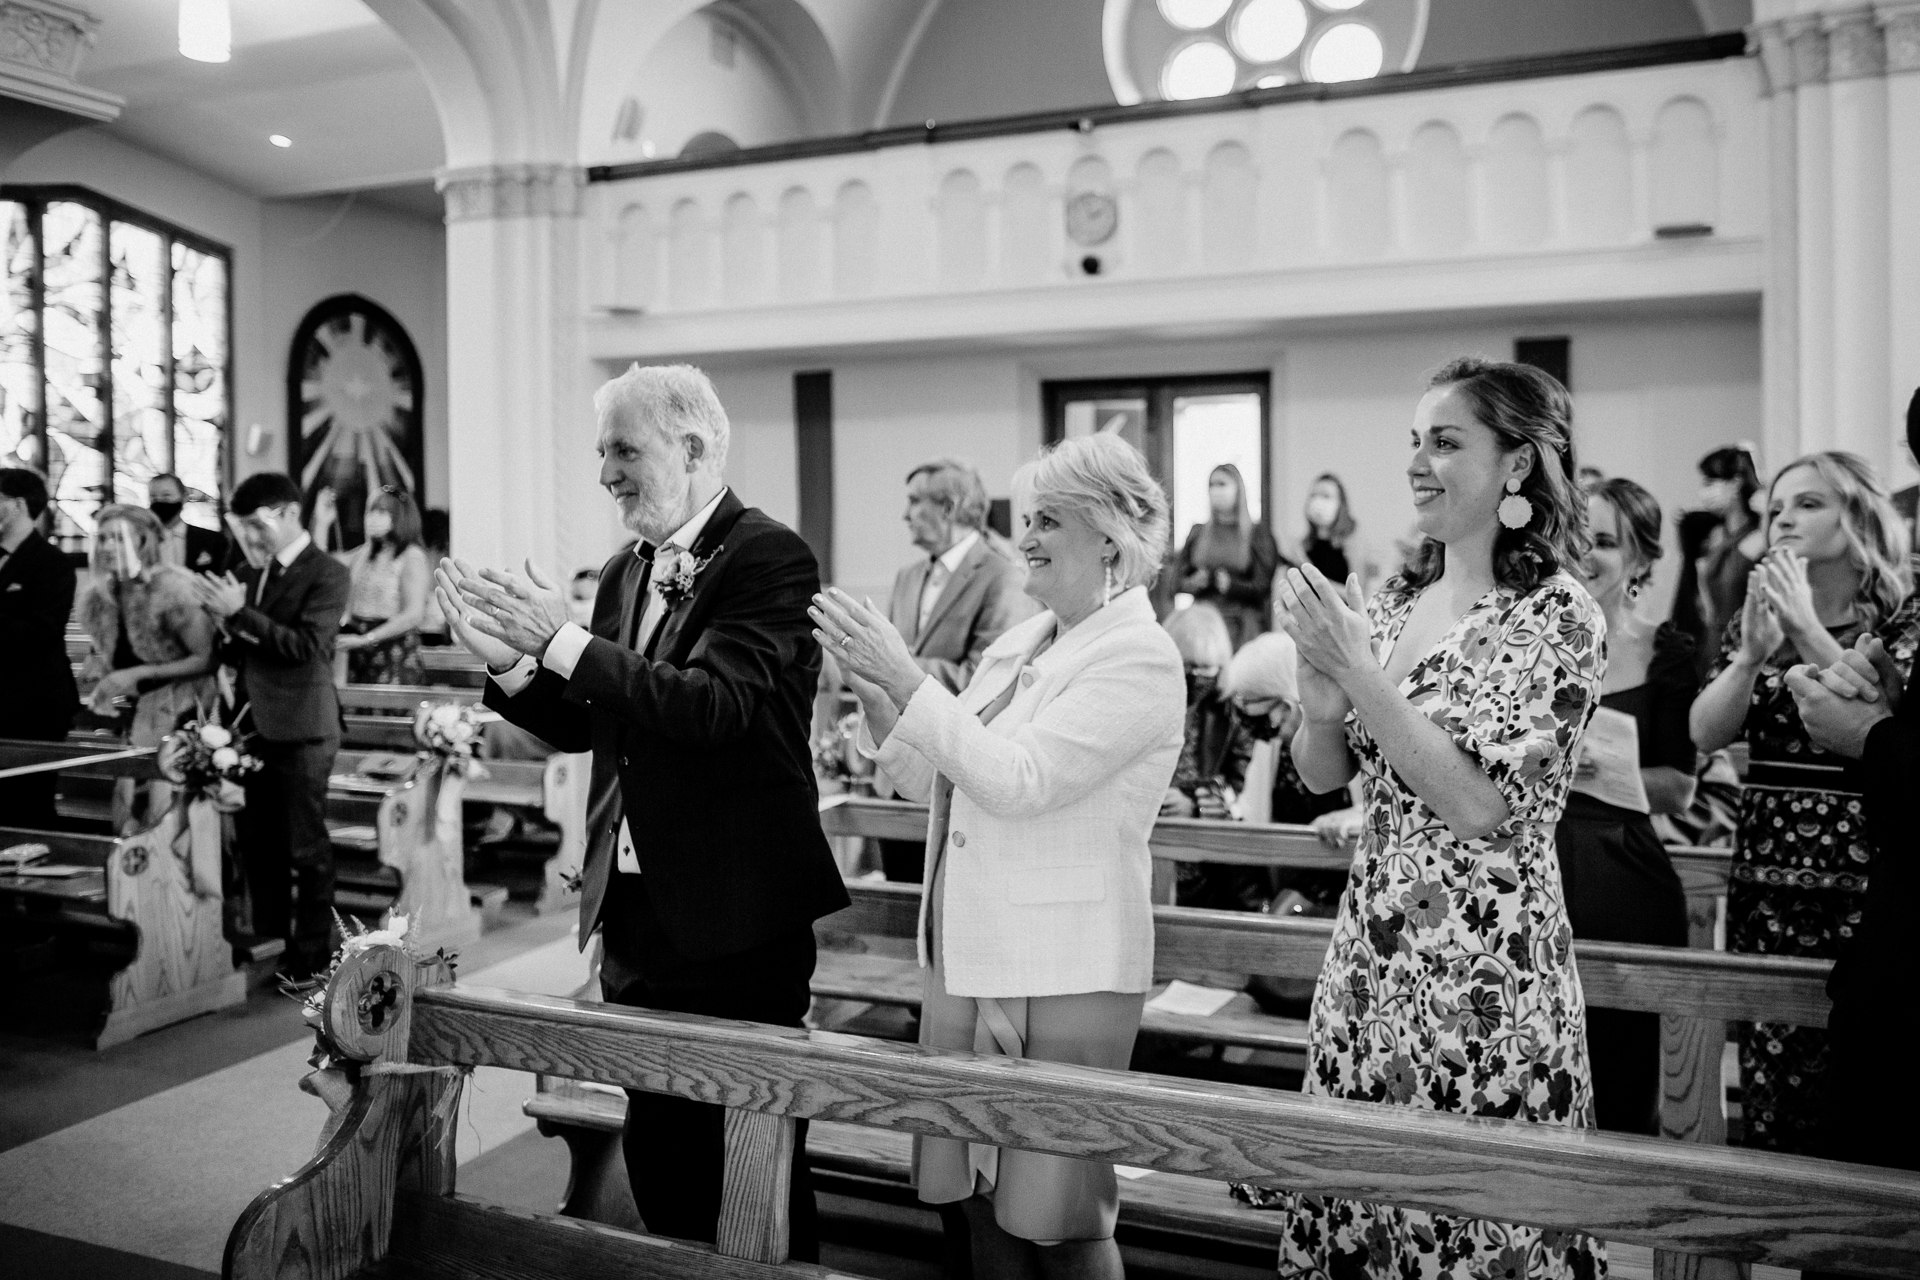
x,y
564,650
944,566
173,545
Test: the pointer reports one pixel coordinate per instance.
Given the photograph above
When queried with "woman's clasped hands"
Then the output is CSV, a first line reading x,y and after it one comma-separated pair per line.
x,y
1329,627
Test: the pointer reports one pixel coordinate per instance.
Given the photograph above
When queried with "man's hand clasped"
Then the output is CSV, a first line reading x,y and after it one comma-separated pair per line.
x,y
1840,705
499,615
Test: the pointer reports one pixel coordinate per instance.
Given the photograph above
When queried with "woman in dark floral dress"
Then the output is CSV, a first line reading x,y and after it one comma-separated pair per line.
x,y
1459,696
1833,573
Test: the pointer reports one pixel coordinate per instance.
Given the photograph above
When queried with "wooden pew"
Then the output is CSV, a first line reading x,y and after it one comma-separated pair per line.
x,y
137,893
446,665
380,717
381,1192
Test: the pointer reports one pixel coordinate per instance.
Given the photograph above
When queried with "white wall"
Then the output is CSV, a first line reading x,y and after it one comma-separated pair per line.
x,y
279,272
683,90
1652,395
396,260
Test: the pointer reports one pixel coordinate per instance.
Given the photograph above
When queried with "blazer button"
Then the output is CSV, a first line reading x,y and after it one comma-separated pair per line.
x,y
959,839
623,762
1026,679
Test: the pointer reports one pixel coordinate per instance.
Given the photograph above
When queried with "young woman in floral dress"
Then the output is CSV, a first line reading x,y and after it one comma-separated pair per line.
x,y
1834,571
1459,695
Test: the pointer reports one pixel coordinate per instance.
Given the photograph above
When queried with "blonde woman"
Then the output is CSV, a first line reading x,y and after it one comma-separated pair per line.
x,y
1835,570
152,643
1044,776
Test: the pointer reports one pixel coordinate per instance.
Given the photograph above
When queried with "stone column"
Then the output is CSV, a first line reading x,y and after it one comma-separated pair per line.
x,y
1902,38
1857,83
520,457
1813,172
41,45
1780,298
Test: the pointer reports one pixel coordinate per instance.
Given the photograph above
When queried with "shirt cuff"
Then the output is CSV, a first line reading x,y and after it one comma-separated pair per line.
x,y
564,650
516,677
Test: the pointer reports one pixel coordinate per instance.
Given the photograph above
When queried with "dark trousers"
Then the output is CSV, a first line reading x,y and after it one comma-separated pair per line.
x,y
282,834
28,801
904,861
675,1148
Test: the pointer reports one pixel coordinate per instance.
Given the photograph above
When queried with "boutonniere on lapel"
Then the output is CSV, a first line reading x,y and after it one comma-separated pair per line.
x,y
674,571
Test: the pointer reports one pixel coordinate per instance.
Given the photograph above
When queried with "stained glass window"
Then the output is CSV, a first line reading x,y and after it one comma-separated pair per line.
x,y
113,354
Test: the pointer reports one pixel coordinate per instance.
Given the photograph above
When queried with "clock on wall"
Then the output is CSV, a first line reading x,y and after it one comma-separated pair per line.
x,y
1092,218
354,396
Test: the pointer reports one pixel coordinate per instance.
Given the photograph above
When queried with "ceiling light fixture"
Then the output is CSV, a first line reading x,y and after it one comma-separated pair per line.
x,y
279,139
206,30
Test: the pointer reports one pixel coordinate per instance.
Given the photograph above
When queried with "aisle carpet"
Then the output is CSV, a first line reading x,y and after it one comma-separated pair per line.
x,y
166,1176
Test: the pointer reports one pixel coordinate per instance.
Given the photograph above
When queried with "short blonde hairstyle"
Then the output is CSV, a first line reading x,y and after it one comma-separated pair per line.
x,y
1200,634
1105,481
677,400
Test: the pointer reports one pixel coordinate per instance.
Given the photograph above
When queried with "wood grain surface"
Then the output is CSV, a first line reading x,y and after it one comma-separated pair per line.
x,y
1789,1211
402,698
435,1236
182,963
1615,975
77,752
754,1211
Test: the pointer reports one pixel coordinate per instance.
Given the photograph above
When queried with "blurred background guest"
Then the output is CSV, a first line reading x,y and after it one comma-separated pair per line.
x,y
391,577
1722,545
152,643
1620,884
436,538
1330,531
949,603
581,589
36,598
1214,753
1836,571
186,545
1228,562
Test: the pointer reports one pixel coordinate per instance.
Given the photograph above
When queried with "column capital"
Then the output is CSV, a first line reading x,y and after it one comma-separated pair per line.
x,y
512,191
41,44
1856,48
1902,26
1807,41
1768,40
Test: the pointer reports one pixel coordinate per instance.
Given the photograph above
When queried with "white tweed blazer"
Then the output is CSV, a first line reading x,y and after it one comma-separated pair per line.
x,y
1048,879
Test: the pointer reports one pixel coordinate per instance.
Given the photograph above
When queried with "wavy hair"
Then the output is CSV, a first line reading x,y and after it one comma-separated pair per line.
x,y
1525,408
1876,536
1639,523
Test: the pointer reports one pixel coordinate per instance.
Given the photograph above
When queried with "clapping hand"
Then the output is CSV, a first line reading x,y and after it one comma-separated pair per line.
x,y
1782,580
499,616
1866,672
1329,627
866,645
1761,631
221,596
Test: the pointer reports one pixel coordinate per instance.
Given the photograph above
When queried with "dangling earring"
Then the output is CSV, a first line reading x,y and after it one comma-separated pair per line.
x,y
1106,593
1515,511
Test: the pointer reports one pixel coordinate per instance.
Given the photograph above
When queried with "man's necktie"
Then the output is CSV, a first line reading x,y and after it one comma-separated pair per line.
x,y
266,580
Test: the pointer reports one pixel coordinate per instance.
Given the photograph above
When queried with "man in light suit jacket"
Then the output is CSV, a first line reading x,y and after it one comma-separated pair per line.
x,y
693,687
279,615
36,597
951,602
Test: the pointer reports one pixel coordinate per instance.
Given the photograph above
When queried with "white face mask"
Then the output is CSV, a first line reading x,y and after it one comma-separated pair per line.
x,y
378,524
1322,510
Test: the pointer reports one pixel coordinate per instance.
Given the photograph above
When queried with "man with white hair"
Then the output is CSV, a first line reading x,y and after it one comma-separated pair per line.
x,y
693,687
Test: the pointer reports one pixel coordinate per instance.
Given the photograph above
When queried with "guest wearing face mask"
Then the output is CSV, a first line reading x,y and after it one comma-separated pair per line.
x,y
1229,561
391,578
1330,545
584,586
187,546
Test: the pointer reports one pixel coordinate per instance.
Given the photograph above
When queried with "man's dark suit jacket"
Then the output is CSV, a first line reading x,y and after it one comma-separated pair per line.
x,y
707,740
1872,1029
36,598
283,648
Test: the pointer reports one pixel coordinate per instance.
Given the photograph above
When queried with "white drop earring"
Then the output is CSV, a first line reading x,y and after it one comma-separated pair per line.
x,y
1106,592
1515,511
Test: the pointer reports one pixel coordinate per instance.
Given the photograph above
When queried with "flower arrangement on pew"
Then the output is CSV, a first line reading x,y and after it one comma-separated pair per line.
x,y
450,731
206,760
834,757
358,995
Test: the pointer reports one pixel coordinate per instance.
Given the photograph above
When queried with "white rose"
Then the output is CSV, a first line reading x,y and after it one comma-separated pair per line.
x,y
461,732
214,735
446,714
225,757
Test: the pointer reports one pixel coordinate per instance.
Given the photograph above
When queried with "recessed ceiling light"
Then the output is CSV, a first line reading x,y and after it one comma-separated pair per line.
x,y
279,139
206,30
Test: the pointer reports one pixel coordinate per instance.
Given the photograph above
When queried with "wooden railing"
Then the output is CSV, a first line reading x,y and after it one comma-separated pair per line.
x,y
382,1186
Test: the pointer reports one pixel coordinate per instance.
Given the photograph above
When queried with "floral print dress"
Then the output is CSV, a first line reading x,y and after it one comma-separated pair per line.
x,y
1450,984
1799,879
